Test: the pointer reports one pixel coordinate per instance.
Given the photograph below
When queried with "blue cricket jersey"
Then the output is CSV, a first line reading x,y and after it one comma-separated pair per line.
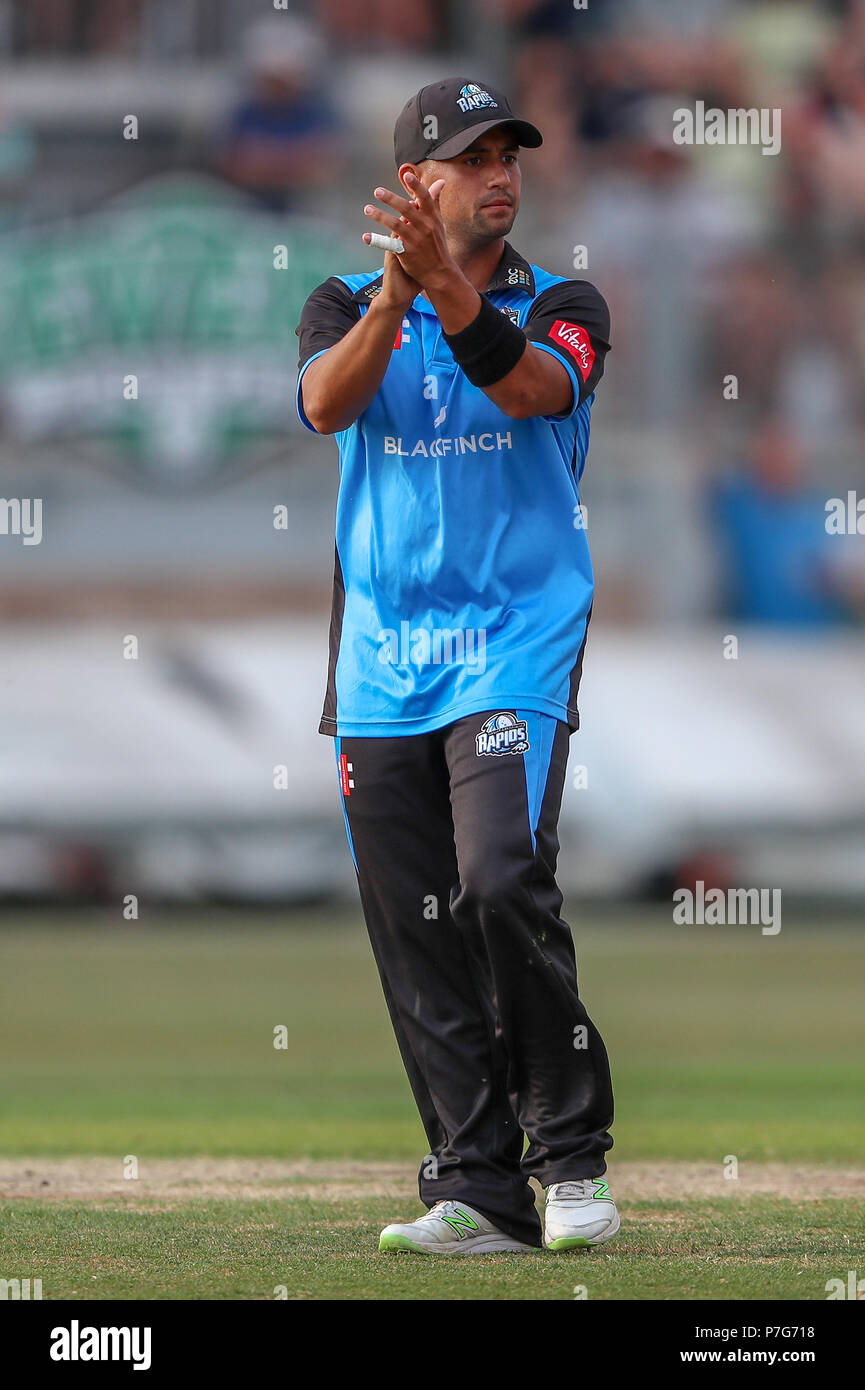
x,y
462,578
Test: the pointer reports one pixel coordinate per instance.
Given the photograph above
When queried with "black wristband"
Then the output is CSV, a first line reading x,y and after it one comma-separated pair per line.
x,y
489,348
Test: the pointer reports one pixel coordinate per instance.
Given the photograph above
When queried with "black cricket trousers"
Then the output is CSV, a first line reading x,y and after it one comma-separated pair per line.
x,y
455,842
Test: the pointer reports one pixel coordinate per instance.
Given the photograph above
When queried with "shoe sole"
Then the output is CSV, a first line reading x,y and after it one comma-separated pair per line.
x,y
489,1245
581,1242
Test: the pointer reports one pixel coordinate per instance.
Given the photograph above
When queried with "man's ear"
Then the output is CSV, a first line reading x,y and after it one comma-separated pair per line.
x,y
409,169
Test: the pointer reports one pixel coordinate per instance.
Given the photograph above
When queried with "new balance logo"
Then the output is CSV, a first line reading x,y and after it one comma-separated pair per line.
x,y
461,1222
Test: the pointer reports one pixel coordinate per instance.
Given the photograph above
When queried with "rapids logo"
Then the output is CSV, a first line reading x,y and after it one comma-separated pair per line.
x,y
512,314
503,733
472,97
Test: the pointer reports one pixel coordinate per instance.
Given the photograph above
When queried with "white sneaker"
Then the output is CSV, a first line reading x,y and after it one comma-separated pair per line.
x,y
579,1213
450,1228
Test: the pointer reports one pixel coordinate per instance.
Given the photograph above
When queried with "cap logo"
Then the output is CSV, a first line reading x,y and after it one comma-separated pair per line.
x,y
472,98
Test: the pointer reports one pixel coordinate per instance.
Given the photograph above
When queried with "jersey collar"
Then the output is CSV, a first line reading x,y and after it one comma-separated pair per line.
x,y
513,272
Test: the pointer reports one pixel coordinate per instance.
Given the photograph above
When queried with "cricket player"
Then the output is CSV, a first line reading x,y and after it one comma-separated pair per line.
x,y
458,381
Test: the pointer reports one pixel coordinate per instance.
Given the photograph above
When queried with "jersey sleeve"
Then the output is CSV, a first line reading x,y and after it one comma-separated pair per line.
x,y
571,320
326,317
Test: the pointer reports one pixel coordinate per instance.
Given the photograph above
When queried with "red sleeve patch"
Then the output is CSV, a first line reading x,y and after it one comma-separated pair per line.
x,y
576,341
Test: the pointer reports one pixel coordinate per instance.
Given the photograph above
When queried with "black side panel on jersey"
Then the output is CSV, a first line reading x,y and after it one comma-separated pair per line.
x,y
328,717
576,677
326,317
572,318
328,314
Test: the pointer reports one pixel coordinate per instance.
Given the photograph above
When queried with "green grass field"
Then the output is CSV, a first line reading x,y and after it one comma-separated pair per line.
x,y
157,1041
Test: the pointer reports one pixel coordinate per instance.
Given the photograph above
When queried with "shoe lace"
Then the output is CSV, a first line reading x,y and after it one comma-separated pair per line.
x,y
575,1188
435,1210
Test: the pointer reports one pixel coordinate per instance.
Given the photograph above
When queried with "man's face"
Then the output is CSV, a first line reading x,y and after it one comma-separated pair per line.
x,y
481,196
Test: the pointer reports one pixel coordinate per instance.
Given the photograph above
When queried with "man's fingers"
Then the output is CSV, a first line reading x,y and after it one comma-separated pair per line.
x,y
393,200
384,243
424,200
392,223
417,188
425,196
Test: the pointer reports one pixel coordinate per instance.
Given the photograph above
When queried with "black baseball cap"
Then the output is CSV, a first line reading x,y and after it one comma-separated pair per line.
x,y
462,110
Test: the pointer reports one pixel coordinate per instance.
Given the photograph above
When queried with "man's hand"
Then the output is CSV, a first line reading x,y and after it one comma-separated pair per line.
x,y
538,384
398,289
426,261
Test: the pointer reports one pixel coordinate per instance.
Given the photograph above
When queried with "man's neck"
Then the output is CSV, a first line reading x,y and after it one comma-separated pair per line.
x,y
478,264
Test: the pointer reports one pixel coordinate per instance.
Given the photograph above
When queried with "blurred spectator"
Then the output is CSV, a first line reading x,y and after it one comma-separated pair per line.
x,y
845,304
533,19
284,138
77,26
757,307
780,566
17,155
827,139
655,227
782,40
380,26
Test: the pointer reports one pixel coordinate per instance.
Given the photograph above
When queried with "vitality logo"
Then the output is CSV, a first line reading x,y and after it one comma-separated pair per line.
x,y
503,733
576,341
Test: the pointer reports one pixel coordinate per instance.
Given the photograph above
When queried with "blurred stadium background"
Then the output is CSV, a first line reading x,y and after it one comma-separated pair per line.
x,y
256,127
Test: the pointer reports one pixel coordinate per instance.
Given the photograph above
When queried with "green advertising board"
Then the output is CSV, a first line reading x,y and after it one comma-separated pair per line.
x,y
157,332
